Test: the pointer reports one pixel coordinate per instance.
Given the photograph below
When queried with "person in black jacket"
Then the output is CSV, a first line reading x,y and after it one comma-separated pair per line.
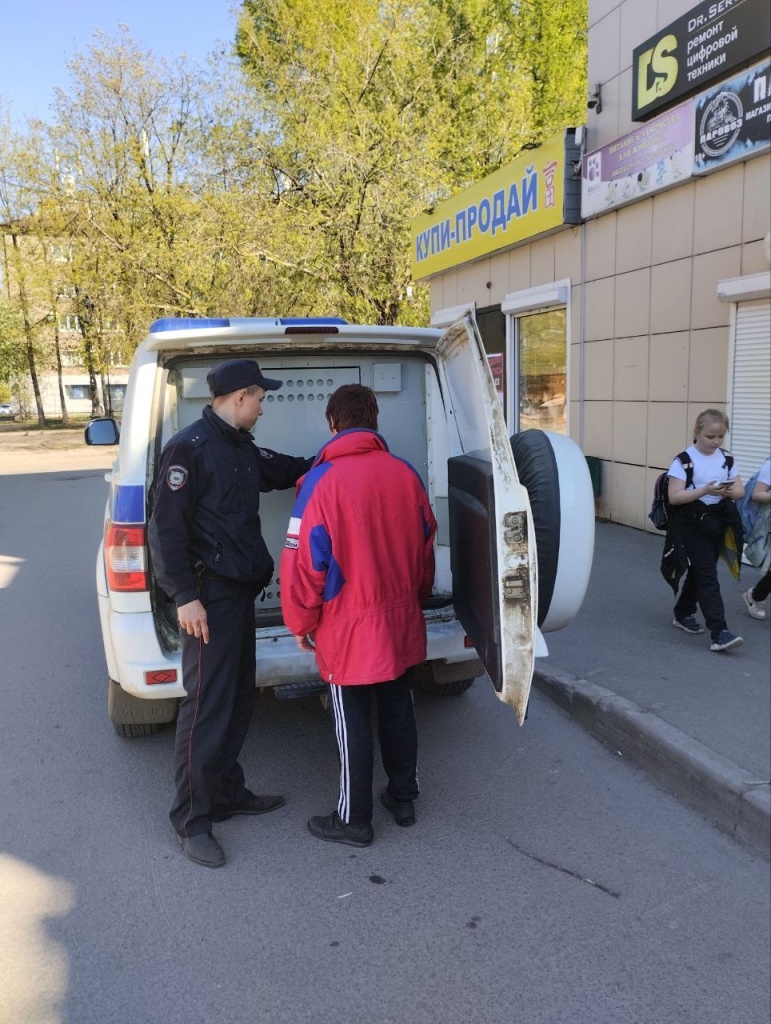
x,y
209,556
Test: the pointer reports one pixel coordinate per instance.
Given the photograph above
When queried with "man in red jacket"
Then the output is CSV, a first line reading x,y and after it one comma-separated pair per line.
x,y
357,565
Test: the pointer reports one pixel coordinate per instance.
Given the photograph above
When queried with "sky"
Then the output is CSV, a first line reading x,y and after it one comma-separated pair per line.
x,y
41,36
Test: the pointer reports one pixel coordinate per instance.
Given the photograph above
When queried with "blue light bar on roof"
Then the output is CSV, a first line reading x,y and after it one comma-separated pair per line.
x,y
171,323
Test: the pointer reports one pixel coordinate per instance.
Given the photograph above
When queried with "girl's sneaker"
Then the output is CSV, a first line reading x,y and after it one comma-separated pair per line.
x,y
755,608
725,641
688,624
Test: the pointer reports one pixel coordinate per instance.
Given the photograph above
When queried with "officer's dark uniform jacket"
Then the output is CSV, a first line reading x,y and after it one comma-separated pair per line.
x,y
206,506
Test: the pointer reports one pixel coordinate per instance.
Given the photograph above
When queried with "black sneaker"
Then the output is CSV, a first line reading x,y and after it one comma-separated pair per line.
x,y
725,641
333,829
402,810
688,625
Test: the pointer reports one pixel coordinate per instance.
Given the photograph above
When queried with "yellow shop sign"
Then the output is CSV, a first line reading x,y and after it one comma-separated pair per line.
x,y
532,194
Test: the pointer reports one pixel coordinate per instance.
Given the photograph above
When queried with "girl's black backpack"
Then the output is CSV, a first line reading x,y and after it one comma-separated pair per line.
x,y
660,512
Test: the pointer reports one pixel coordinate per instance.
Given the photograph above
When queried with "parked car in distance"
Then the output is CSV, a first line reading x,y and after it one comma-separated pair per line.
x,y
6,411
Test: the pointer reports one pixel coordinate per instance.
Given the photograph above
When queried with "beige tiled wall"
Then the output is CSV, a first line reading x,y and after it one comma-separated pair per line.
x,y
668,367
598,371
708,269
630,369
600,309
630,428
673,214
757,198
718,213
634,238
633,303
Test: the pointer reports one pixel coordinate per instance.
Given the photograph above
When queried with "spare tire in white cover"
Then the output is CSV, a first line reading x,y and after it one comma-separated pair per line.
x,y
553,470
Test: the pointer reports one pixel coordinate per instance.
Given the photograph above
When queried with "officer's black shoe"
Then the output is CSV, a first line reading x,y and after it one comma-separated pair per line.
x,y
251,804
202,849
333,829
402,810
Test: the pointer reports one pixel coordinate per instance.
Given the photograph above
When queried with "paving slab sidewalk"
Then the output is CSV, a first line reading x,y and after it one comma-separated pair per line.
x,y
699,722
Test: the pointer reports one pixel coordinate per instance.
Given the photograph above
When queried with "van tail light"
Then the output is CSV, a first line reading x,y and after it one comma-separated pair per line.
x,y
125,557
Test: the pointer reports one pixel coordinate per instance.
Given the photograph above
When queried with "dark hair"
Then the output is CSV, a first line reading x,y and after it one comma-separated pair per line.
x,y
352,405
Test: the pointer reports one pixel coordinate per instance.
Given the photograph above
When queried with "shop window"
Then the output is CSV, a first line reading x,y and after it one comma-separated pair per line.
x,y
537,348
542,362
117,395
78,392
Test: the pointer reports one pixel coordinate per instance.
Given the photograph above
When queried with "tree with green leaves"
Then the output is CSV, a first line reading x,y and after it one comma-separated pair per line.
x,y
283,184
375,111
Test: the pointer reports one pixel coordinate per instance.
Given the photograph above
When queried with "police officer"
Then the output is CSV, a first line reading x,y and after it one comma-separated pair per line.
x,y
209,556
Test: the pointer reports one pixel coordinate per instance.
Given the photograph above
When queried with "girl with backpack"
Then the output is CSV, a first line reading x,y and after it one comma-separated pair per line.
x,y
761,545
702,495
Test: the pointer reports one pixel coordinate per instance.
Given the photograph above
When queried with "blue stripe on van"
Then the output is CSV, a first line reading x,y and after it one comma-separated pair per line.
x,y
128,504
171,323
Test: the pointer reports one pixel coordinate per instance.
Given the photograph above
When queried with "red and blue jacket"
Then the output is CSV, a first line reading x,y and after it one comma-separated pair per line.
x,y
359,561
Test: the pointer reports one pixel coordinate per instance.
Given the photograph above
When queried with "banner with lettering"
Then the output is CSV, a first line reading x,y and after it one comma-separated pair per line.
x,y
651,158
711,40
520,200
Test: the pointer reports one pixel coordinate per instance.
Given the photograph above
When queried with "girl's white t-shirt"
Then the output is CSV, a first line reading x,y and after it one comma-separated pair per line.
x,y
706,468
764,474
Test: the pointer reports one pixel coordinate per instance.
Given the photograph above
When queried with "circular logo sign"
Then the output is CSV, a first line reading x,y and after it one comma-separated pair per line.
x,y
721,123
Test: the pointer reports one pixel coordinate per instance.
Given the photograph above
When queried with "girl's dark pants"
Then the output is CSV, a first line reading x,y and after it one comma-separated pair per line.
x,y
703,540
214,716
762,588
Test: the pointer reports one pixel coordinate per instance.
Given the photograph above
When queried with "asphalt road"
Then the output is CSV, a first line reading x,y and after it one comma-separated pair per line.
x,y
546,881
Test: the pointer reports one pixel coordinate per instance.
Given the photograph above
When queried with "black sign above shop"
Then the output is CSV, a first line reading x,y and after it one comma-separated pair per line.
x,y
732,120
706,43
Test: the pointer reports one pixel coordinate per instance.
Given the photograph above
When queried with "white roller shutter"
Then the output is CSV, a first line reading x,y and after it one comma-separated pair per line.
x,y
750,438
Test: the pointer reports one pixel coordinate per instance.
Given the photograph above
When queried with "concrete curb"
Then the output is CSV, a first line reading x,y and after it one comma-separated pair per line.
x,y
734,799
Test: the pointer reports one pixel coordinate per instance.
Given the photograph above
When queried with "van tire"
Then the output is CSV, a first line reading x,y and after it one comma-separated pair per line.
x,y
553,470
453,689
538,474
132,717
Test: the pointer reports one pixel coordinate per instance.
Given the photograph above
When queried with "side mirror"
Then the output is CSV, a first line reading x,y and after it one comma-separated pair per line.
x,y
102,431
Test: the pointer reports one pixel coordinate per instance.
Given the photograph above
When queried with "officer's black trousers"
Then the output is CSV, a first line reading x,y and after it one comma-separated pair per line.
x,y
351,708
214,716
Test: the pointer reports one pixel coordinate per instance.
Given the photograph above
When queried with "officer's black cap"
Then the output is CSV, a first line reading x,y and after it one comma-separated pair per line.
x,y
235,374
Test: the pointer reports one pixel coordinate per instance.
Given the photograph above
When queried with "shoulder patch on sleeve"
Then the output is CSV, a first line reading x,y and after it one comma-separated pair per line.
x,y
176,478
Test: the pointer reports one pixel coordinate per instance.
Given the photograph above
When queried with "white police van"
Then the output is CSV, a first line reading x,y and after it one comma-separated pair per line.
x,y
516,516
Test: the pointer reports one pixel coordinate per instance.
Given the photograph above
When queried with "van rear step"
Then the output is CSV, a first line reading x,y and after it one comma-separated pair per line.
x,y
292,691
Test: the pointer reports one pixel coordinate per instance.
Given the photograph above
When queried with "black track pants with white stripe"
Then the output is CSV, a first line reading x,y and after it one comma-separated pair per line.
x,y
351,707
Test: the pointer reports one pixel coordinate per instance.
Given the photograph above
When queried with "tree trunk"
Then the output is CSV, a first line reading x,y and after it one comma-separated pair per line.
x,y
28,333
65,414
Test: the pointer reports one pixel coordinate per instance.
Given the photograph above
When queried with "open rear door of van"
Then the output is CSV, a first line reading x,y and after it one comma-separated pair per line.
x,y
492,537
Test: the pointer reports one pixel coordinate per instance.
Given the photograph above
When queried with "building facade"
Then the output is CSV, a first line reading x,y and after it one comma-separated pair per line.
x,y
618,326
34,275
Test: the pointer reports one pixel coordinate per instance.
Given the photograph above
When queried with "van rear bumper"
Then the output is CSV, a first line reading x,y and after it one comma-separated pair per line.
x,y
132,649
